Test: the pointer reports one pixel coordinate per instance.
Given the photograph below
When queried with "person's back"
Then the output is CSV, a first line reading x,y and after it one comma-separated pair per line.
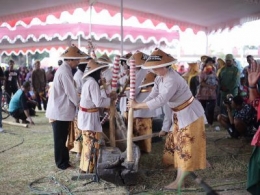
x,y
18,106
15,102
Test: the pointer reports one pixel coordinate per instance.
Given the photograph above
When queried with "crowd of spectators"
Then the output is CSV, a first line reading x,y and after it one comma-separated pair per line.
x,y
221,85
29,85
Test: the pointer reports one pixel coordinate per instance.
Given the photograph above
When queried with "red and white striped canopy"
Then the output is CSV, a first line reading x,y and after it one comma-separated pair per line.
x,y
196,14
200,15
45,37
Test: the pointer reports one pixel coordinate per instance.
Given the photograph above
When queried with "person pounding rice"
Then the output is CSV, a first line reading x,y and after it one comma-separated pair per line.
x,y
186,143
88,115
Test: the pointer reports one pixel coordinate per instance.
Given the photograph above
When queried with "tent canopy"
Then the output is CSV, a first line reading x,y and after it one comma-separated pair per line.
x,y
196,14
199,15
45,37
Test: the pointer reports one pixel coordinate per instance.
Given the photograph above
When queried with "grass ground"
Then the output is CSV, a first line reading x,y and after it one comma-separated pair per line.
x,y
27,166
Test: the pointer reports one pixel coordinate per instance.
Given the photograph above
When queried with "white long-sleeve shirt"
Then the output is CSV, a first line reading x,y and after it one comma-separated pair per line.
x,y
63,97
167,119
173,90
91,98
78,79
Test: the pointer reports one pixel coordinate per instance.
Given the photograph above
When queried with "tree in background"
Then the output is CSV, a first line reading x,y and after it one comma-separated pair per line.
x,y
24,60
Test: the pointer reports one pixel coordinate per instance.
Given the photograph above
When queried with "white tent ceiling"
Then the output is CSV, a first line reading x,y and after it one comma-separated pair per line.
x,y
196,13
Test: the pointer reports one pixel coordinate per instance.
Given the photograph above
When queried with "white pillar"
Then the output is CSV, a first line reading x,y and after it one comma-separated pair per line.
x,y
207,42
79,41
122,30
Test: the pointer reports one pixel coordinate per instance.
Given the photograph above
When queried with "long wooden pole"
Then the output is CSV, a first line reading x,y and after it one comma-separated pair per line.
x,y
112,121
129,144
14,124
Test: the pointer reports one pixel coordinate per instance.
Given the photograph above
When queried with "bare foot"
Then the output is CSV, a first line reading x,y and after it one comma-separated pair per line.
x,y
208,164
173,186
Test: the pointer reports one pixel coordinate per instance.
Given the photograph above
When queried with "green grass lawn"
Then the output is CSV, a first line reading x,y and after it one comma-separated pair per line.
x,y
26,157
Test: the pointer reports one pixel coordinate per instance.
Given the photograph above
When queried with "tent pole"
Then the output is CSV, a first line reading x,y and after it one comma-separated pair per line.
x,y
26,59
90,22
122,30
179,46
207,42
79,41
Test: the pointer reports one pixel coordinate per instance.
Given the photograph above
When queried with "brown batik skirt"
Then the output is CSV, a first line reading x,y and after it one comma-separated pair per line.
x,y
186,148
87,161
71,136
143,126
77,145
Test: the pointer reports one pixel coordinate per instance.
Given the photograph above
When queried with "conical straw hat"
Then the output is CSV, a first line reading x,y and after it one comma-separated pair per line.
x,y
139,58
73,53
92,67
85,60
148,80
104,59
158,59
126,56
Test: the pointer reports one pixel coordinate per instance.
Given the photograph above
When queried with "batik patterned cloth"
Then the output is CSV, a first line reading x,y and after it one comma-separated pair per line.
x,y
71,136
77,145
185,147
87,161
143,126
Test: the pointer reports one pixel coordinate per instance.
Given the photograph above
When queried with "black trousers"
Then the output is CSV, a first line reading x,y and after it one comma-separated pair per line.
x,y
209,107
19,114
61,152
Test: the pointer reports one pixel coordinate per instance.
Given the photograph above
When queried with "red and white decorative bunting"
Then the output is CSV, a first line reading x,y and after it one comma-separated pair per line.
x,y
132,79
115,72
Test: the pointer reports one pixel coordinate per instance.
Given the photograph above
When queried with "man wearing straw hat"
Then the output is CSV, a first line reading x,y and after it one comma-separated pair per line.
x,y
88,116
143,118
186,147
62,103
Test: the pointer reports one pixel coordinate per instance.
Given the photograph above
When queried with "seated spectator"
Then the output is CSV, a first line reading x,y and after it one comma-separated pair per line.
x,y
241,119
18,106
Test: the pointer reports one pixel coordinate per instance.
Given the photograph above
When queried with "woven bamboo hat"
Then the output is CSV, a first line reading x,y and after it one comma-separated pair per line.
x,y
92,67
148,80
85,60
139,58
104,59
204,58
73,53
158,59
126,56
